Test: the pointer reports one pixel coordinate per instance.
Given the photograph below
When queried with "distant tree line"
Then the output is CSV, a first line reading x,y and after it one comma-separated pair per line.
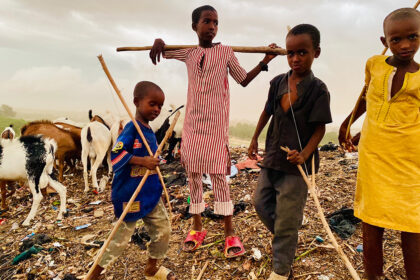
x,y
7,111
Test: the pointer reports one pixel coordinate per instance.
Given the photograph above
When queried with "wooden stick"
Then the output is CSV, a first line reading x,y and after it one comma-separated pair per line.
x,y
133,197
202,270
279,51
337,247
108,74
364,91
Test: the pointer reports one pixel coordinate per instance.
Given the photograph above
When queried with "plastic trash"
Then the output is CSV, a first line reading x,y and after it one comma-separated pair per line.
x,y
96,202
256,254
323,277
319,239
28,236
26,254
359,248
82,226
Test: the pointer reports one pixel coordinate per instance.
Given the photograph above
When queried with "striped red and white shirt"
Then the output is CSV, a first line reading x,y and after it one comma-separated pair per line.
x,y
205,136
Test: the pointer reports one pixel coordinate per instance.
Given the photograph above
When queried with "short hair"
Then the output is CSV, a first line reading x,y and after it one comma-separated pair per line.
x,y
196,14
143,88
309,29
402,13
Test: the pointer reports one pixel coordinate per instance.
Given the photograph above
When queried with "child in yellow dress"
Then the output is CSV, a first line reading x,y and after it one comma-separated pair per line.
x,y
388,180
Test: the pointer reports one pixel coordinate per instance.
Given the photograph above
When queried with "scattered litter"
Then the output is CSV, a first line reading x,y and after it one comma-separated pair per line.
x,y
140,237
359,248
247,197
2,221
98,213
82,226
69,277
36,239
329,147
14,226
323,277
87,210
56,203
28,236
353,155
26,254
256,254
343,222
57,244
96,202
319,239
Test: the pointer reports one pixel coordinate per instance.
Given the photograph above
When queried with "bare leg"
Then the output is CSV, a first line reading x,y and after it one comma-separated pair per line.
x,y
372,251
411,251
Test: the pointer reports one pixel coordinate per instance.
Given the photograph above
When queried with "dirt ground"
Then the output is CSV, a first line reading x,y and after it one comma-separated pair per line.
x,y
67,253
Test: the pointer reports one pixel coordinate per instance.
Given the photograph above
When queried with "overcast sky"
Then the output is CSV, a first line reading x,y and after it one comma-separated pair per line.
x,y
48,48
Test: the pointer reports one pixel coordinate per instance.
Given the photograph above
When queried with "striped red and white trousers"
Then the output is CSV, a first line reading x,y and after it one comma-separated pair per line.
x,y
222,202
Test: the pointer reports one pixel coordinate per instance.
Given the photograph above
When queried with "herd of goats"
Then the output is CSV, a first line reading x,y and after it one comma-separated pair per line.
x,y
46,145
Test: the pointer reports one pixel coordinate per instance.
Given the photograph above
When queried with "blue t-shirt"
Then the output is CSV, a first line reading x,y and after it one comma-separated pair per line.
x,y
127,176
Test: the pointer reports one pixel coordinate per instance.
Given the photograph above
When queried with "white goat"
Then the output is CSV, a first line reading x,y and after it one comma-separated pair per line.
x,y
96,143
31,158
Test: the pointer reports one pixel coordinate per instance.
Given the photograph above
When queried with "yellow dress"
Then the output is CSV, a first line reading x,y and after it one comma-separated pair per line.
x,y
388,179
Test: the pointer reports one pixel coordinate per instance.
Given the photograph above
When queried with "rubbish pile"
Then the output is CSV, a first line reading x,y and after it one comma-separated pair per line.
x,y
65,250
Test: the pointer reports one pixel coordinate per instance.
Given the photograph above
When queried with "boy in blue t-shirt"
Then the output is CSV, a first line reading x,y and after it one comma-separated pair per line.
x,y
130,161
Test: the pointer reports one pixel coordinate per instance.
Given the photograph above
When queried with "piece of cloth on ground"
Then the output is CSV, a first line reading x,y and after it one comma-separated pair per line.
x,y
343,222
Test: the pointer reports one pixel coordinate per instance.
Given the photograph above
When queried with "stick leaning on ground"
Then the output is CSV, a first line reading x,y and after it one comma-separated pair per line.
x,y
312,190
279,51
111,80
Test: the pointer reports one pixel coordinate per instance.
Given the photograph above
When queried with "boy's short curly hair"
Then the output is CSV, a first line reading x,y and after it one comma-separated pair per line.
x,y
309,29
143,88
402,13
196,14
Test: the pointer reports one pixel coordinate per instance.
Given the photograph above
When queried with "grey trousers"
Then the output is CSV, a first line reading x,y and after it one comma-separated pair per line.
x,y
279,200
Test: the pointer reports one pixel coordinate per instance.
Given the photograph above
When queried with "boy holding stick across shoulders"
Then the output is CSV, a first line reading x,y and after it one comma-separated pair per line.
x,y
130,160
298,105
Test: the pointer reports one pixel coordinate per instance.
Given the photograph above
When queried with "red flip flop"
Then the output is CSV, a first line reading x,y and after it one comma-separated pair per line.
x,y
233,242
197,237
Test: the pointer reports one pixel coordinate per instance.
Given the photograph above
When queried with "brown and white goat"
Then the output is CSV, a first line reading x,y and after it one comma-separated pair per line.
x,y
31,158
68,143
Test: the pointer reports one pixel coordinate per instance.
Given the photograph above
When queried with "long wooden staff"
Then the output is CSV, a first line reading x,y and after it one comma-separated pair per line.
x,y
363,93
312,190
279,51
137,127
133,197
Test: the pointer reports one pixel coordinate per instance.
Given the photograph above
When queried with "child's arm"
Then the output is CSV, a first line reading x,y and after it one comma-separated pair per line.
x,y
344,142
295,157
253,146
148,162
257,69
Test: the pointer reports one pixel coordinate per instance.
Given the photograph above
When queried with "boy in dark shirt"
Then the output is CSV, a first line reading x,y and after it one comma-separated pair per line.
x,y
298,103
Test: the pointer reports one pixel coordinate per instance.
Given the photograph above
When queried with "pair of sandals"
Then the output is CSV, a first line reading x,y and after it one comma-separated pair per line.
x,y
197,237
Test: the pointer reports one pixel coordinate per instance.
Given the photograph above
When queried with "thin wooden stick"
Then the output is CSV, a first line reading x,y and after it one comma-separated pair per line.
x,y
108,74
337,247
133,197
356,106
279,51
202,270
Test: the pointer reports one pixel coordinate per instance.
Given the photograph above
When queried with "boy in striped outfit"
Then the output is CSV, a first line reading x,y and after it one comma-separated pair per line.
x,y
205,147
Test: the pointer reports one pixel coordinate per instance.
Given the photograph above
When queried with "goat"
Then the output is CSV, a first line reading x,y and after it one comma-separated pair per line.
x,y
68,143
96,143
8,133
162,123
31,158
